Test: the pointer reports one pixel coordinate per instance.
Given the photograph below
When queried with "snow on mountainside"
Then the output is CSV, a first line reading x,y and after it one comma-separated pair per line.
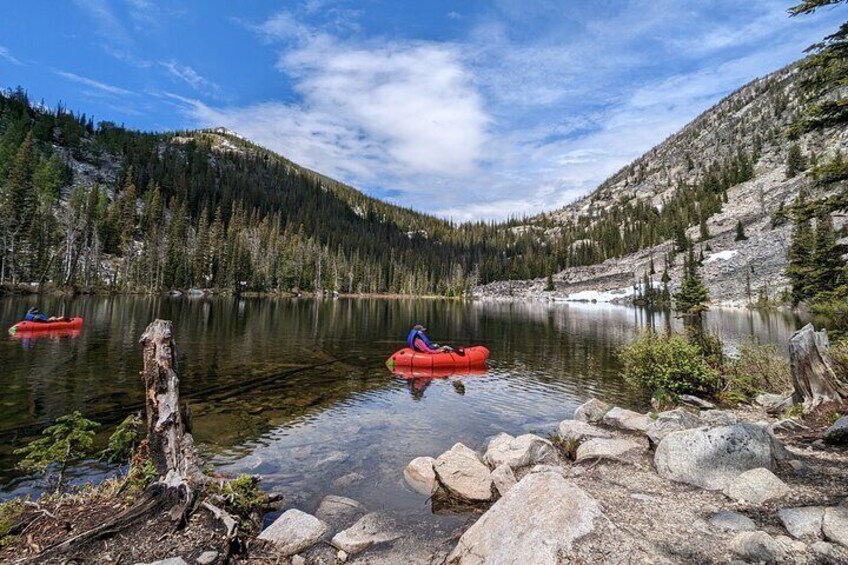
x,y
752,119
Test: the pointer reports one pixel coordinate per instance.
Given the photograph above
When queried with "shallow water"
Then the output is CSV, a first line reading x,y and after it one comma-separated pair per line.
x,y
296,391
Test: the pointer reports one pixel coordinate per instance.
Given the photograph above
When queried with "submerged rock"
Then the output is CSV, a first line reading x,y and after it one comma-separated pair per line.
x,y
535,523
629,420
624,450
671,421
711,458
732,522
504,479
578,431
756,487
371,529
294,531
592,411
803,522
421,476
757,547
336,510
463,474
521,451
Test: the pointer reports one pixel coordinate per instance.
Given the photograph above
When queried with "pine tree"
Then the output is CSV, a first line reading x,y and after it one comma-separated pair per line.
x,y
801,261
795,162
828,267
549,286
740,232
690,299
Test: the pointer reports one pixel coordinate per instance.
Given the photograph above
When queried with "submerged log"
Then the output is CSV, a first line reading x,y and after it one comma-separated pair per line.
x,y
813,377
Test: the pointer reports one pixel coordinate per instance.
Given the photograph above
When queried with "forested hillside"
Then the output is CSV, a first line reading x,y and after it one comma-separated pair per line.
x,y
100,206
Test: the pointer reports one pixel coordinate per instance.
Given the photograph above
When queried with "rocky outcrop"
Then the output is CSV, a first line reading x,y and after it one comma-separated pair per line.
x,y
627,420
592,411
521,451
536,523
576,430
756,487
462,473
671,421
711,458
420,475
294,531
371,529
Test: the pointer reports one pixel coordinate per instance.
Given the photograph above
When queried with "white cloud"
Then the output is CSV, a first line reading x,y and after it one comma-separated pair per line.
x,y
5,54
101,86
189,76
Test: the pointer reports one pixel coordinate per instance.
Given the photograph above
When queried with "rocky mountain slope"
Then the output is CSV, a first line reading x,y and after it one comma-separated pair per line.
x,y
751,121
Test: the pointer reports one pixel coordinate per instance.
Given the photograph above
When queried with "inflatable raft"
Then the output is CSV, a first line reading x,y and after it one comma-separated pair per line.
x,y
468,358
33,327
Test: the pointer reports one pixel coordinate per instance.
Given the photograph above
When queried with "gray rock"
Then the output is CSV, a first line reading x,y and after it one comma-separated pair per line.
x,y
756,486
644,497
463,474
835,524
629,420
349,479
336,510
757,547
719,417
769,401
592,411
578,431
691,400
732,522
671,421
803,522
504,478
711,458
371,529
521,451
294,531
823,548
168,561
534,524
419,474
788,425
838,432
298,560
207,558
624,450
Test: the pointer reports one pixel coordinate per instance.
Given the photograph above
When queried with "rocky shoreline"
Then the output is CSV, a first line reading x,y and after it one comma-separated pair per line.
x,y
693,484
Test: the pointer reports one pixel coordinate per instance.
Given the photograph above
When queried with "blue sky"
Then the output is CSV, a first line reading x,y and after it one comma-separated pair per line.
x,y
468,109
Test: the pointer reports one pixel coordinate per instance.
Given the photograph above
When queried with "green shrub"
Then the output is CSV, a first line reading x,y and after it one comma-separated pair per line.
x,y
125,439
10,514
758,368
568,447
669,362
243,495
839,355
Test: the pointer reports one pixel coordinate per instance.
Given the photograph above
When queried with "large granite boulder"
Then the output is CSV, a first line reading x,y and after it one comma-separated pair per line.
x,y
576,430
534,524
671,421
521,451
803,522
756,486
420,475
371,529
591,411
294,531
628,420
462,473
624,450
711,458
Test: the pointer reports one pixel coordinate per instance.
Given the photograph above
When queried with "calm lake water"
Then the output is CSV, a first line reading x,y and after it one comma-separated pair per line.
x,y
295,390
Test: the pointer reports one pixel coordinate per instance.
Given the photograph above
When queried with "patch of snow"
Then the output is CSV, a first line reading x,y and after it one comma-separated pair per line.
x,y
605,296
721,256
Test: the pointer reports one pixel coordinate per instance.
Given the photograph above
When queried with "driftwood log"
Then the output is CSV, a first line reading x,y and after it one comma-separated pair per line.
x,y
813,378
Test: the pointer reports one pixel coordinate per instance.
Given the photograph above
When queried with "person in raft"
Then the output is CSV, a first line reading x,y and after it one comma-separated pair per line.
x,y
418,341
33,315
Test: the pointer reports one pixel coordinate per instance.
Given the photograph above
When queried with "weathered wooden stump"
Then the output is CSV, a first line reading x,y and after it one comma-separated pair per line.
x,y
813,377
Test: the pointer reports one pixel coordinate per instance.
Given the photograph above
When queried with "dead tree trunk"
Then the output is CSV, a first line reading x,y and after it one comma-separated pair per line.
x,y
813,376
169,443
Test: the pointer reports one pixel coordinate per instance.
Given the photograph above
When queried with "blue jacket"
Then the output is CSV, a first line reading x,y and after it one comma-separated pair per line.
x,y
36,317
419,341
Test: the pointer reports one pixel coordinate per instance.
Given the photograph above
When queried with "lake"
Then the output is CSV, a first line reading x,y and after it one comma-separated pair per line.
x,y
296,390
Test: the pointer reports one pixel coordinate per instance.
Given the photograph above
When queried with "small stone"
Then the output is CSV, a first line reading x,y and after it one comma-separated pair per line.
x,y
757,546
521,451
592,411
335,510
732,522
504,478
803,522
207,558
756,486
421,476
169,561
823,548
838,432
369,530
578,431
835,524
644,497
719,417
788,425
298,560
294,531
792,545
767,400
623,450
628,420
341,555
463,474
691,400
347,480
671,421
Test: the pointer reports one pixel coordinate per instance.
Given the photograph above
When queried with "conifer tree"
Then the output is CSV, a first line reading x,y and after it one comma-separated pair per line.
x,y
740,232
795,162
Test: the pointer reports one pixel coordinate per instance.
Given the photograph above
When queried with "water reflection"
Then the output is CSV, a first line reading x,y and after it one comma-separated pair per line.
x,y
297,390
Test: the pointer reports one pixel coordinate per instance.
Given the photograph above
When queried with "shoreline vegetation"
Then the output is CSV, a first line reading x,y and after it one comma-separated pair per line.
x,y
783,443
